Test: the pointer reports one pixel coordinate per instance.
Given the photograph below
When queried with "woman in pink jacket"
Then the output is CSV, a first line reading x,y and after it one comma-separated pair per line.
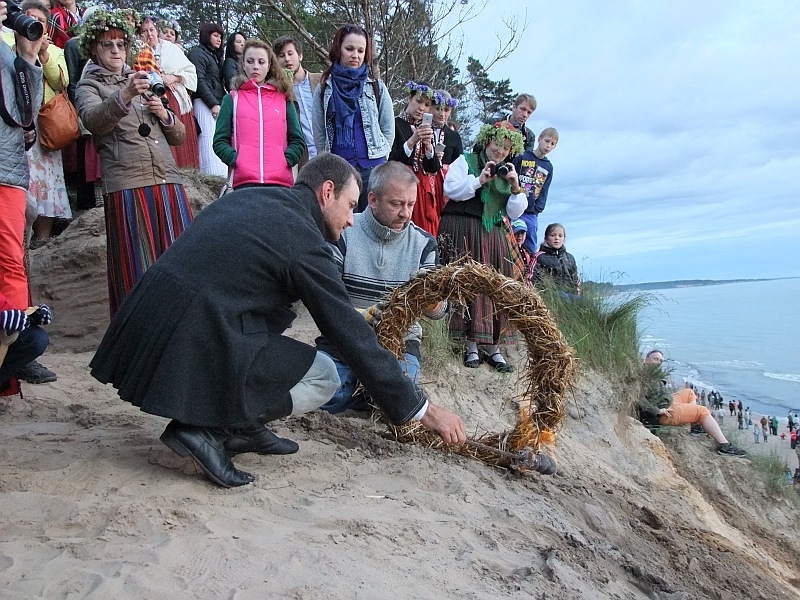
x,y
258,134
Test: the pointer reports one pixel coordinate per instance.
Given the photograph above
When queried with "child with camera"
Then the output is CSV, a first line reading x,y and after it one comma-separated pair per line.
x,y
484,193
413,146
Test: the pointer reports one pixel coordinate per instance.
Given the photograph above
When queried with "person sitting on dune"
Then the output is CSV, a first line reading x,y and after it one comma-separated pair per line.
x,y
656,406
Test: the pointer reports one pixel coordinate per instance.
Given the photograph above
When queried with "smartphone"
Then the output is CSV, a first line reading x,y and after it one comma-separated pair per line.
x,y
440,147
427,119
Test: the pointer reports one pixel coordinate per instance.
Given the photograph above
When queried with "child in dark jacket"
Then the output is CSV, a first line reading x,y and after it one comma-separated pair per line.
x,y
555,262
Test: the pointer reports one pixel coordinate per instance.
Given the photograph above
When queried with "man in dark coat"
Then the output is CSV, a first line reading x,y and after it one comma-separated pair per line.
x,y
199,339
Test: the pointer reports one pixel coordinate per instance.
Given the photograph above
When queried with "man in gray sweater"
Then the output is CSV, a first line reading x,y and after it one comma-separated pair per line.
x,y
381,251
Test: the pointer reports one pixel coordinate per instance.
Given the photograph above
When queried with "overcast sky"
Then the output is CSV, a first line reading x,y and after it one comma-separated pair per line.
x,y
679,122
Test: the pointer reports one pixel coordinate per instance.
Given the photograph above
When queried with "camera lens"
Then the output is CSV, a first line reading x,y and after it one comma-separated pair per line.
x,y
502,170
26,26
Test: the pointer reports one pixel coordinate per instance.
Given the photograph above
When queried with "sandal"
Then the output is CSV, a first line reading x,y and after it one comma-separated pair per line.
x,y
501,366
471,360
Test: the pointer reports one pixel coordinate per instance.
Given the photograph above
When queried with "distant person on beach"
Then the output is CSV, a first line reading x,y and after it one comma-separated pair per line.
x,y
764,428
732,407
200,338
747,418
756,434
774,424
657,406
740,419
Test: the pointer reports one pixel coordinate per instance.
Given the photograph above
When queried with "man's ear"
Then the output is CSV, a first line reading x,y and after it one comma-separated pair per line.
x,y
326,193
371,198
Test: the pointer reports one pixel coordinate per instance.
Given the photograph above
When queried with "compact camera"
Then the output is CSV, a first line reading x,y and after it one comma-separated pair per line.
x,y
499,170
24,25
157,87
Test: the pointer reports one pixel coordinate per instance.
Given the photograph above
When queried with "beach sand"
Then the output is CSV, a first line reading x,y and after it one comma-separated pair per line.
x,y
93,506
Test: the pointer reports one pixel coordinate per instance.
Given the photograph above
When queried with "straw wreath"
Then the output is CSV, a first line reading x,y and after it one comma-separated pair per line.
x,y
550,366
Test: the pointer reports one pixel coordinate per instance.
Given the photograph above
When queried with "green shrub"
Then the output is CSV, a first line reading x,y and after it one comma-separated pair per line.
x,y
601,326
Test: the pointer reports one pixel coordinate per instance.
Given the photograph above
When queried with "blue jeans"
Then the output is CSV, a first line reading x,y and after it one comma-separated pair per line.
x,y
29,346
532,221
343,398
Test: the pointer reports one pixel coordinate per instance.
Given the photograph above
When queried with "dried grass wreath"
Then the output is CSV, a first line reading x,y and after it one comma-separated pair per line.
x,y
549,371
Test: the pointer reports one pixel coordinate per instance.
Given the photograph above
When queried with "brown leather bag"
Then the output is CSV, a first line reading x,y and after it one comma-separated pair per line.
x,y
57,123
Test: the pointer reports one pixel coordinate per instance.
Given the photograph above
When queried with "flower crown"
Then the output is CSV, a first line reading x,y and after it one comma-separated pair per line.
x,y
442,98
169,24
500,131
420,89
100,21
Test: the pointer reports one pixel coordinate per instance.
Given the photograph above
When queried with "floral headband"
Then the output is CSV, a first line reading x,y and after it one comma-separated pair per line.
x,y
169,24
500,131
419,89
442,98
100,21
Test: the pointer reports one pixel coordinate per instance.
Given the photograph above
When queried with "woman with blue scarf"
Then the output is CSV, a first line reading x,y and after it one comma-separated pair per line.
x,y
352,113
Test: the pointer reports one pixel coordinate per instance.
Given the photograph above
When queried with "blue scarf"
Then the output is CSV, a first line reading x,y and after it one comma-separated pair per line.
x,y
347,85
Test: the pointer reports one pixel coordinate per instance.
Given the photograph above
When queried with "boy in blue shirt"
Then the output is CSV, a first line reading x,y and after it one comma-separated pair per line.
x,y
535,174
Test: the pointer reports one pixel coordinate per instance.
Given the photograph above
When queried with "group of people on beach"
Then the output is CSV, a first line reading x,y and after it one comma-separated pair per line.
x,y
199,306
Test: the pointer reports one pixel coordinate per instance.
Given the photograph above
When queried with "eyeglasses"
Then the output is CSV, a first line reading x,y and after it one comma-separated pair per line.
x,y
109,45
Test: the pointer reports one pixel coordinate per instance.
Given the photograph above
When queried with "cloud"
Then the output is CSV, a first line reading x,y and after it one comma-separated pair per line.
x,y
678,126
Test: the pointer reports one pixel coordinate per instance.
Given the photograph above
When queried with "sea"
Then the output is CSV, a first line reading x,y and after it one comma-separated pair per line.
x,y
740,338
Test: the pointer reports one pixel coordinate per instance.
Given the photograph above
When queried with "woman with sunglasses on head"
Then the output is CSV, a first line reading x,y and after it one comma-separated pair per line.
x,y
146,207
352,112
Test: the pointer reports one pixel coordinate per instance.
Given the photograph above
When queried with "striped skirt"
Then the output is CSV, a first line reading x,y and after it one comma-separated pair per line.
x,y
188,153
465,236
140,225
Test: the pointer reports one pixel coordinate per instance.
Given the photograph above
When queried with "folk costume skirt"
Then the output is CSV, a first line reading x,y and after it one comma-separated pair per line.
x,y
187,154
466,236
140,225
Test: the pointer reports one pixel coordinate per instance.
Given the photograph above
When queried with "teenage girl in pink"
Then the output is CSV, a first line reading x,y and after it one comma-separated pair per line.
x,y
258,133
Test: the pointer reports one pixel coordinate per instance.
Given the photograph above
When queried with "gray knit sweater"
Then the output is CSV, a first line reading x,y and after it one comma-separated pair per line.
x,y
375,259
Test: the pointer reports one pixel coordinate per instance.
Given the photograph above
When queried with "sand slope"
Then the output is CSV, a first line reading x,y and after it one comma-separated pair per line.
x,y
93,506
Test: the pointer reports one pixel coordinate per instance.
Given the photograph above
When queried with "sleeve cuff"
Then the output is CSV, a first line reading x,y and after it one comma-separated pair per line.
x,y
422,411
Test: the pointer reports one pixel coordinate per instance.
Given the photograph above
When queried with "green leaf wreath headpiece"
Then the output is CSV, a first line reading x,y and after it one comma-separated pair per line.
x,y
100,21
499,132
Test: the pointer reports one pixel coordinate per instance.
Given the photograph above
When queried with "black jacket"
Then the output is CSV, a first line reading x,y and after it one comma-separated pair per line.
x,y
453,146
209,77
403,131
560,265
230,69
199,338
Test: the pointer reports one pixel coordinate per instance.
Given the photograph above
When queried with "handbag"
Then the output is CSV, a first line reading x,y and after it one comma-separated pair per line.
x,y
57,123
228,187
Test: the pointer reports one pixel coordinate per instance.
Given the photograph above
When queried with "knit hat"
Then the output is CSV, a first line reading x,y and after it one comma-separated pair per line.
x,y
519,225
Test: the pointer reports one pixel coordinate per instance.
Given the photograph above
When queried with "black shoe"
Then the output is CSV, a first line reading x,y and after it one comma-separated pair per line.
x,y
260,440
730,450
35,372
471,360
697,430
501,366
206,448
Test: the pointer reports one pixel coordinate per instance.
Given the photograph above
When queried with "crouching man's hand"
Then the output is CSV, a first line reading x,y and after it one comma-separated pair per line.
x,y
374,313
445,424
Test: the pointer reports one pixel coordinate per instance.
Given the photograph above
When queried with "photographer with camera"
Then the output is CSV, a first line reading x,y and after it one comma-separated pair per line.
x,y
484,193
146,206
413,146
20,96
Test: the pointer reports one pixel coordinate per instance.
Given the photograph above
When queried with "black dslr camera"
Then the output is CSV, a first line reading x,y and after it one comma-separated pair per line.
x,y
499,170
24,25
157,87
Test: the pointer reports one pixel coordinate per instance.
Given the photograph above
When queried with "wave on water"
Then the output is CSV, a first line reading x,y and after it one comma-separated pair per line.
x,y
783,376
734,364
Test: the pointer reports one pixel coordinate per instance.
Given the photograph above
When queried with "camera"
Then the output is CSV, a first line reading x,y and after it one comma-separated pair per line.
x,y
26,26
499,170
157,87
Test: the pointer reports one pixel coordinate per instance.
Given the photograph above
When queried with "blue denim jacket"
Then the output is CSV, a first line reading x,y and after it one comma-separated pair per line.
x,y
378,125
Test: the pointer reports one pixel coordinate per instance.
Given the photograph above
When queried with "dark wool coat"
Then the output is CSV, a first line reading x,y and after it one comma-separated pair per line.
x,y
199,337
403,131
453,146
